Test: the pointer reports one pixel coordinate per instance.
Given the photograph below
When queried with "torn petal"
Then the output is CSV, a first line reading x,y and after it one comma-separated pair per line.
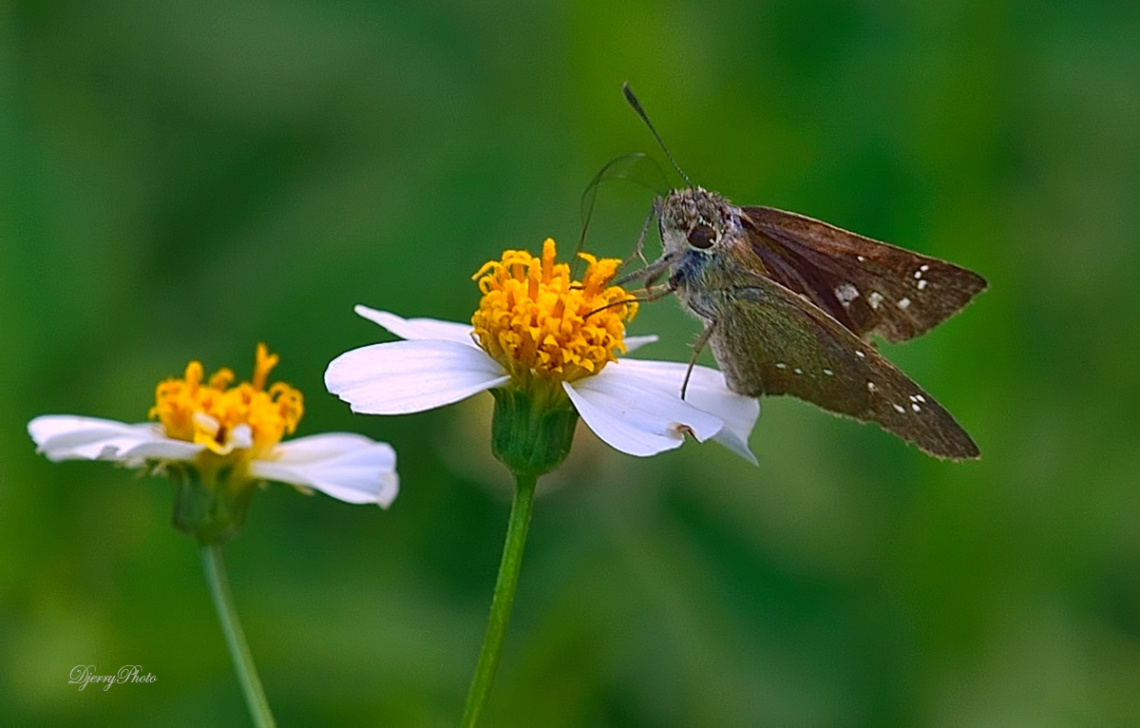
x,y
637,416
706,391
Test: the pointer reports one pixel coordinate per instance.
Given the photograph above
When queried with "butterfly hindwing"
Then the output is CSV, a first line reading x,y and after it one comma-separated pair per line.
x,y
795,348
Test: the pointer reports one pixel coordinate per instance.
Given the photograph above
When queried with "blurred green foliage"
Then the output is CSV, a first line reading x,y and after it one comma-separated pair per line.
x,y
180,181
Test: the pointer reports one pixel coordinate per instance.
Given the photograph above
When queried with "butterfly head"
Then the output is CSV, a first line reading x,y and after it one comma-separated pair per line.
x,y
695,221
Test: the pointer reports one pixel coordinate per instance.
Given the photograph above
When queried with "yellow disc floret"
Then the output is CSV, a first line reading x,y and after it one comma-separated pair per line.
x,y
248,419
536,322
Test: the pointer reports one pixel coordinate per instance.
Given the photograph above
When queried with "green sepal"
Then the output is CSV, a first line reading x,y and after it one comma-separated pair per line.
x,y
209,505
531,436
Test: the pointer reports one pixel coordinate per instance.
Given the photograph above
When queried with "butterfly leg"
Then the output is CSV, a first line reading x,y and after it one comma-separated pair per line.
x,y
639,248
650,273
698,346
656,293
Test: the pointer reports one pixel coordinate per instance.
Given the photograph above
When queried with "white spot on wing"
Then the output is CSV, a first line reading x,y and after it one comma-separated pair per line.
x,y
870,386
924,268
859,354
903,303
846,293
829,373
915,407
797,370
922,284
875,299
860,258
918,274
781,365
899,408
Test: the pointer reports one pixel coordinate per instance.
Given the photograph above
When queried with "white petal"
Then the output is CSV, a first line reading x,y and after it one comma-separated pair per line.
x,y
70,437
706,391
637,415
348,467
636,342
419,328
411,376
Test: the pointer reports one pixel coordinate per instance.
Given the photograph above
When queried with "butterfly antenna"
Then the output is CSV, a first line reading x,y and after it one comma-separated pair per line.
x,y
623,168
637,107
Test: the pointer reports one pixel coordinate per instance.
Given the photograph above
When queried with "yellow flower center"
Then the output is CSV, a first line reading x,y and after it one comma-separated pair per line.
x,y
537,322
247,418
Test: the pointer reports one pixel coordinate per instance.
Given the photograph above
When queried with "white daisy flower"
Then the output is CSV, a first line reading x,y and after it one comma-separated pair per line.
x,y
213,428
538,331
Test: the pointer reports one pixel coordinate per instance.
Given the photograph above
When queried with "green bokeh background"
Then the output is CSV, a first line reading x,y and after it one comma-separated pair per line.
x,y
183,180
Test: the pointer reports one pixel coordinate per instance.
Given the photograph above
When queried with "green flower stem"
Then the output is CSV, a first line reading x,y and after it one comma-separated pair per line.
x,y
235,638
503,600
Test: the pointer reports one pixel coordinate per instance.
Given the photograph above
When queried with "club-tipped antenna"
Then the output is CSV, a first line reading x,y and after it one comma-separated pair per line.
x,y
637,107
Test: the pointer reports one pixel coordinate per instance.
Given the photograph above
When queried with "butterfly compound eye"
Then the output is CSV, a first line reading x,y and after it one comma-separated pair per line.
x,y
702,236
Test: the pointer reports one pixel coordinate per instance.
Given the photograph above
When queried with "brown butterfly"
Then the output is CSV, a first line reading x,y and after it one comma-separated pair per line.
x,y
789,304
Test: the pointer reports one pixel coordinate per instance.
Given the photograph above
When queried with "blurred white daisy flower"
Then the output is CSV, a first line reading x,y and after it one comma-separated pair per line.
x,y
228,438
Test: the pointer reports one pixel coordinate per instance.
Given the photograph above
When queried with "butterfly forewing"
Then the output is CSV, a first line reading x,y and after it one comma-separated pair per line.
x,y
798,349
866,285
